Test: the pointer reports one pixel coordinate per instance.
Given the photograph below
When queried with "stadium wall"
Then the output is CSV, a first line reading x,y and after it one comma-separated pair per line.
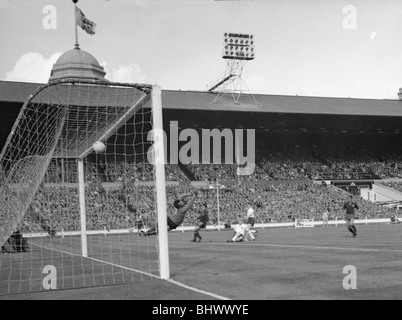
x,y
210,227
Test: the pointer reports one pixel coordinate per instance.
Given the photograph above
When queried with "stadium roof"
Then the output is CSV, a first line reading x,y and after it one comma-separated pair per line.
x,y
16,91
201,100
282,104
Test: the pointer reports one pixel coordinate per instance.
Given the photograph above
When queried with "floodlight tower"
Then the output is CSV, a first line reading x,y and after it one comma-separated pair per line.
x,y
237,50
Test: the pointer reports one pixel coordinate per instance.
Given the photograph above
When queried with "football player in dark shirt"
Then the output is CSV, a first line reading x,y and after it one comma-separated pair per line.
x,y
175,220
202,224
350,207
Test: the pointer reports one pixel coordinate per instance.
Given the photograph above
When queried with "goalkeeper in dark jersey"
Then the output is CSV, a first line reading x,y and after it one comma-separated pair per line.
x,y
350,207
176,219
202,224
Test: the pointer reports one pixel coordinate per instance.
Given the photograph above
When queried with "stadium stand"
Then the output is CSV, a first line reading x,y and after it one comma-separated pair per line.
x,y
298,139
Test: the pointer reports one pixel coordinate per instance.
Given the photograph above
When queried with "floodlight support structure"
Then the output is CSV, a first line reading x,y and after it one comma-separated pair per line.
x,y
231,82
237,50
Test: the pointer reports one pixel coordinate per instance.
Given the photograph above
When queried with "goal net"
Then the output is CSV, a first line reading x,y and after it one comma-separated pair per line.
x,y
71,211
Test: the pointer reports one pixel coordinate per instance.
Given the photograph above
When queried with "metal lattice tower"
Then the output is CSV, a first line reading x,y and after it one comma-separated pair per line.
x,y
237,50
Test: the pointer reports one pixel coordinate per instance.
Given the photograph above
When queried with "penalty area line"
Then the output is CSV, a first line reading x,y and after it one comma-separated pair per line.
x,y
306,247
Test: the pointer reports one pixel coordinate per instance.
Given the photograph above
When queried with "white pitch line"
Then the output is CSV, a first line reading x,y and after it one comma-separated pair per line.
x,y
142,272
307,247
197,290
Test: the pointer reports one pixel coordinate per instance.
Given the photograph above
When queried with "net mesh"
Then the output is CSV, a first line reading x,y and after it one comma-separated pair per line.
x,y
40,223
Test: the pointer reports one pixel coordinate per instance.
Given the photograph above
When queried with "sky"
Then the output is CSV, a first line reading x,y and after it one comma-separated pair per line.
x,y
327,48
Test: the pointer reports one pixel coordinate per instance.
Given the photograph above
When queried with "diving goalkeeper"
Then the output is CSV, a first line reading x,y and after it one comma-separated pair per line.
x,y
176,219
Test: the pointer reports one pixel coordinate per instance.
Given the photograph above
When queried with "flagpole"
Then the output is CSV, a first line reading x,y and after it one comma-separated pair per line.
x,y
77,46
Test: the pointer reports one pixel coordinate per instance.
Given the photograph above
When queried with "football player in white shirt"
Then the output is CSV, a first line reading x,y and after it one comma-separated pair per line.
x,y
250,224
239,232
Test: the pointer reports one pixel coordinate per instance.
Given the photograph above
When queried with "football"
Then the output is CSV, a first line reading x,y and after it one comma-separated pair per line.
x,y
99,147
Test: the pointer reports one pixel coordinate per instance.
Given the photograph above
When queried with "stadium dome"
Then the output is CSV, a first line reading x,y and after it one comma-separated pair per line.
x,y
77,64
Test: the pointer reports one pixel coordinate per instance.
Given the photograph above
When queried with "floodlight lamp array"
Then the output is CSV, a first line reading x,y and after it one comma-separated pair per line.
x,y
238,46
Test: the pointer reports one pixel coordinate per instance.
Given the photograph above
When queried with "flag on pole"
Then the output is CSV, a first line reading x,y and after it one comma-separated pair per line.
x,y
87,25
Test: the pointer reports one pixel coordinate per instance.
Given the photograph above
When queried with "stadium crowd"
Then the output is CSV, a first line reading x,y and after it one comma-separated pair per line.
x,y
294,196
57,208
282,165
114,169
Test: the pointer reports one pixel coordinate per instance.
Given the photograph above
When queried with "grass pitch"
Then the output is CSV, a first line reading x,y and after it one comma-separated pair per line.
x,y
283,263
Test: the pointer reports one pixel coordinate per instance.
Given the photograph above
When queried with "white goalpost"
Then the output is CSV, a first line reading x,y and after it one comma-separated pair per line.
x,y
72,207
83,215
159,162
